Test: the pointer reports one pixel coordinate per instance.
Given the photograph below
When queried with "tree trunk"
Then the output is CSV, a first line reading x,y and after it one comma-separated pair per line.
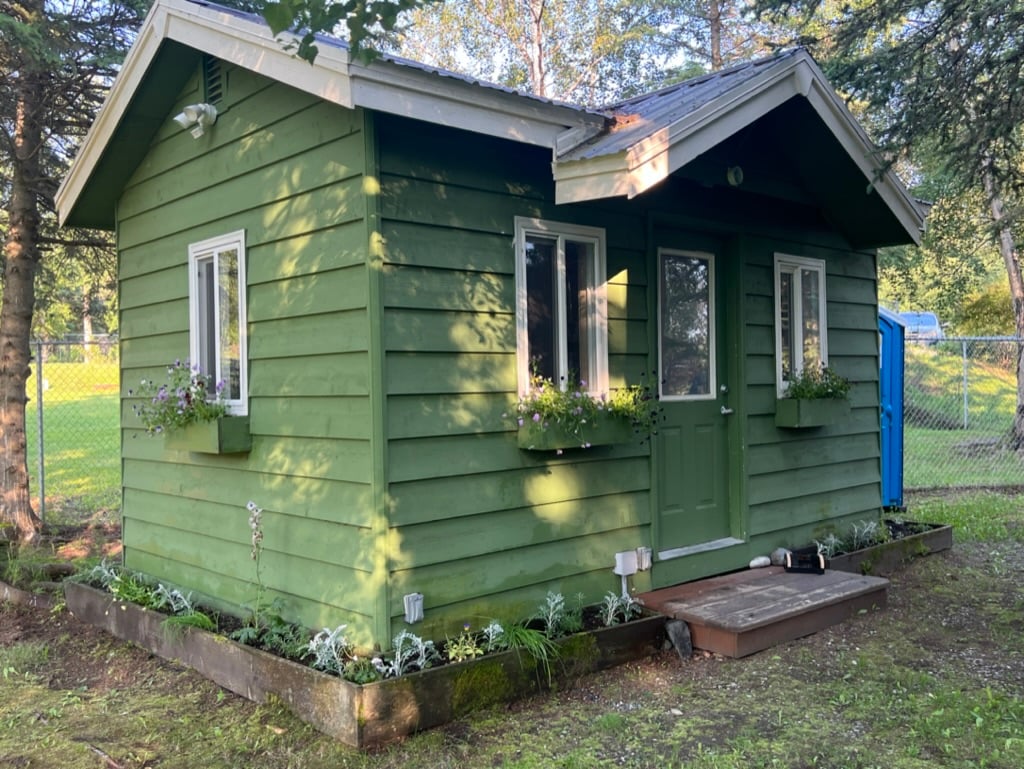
x,y
1011,258
536,62
21,257
715,23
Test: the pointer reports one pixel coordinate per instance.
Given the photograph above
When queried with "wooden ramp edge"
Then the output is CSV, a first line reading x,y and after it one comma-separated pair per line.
x,y
746,612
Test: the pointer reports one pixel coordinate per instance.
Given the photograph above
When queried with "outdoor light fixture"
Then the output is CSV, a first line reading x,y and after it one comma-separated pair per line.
x,y
199,115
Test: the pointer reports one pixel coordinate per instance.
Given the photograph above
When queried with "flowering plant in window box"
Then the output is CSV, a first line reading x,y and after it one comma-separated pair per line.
x,y
815,397
550,417
191,412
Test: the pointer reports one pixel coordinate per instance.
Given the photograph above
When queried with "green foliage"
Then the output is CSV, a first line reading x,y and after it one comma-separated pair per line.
x,y
187,397
331,650
364,20
520,638
987,311
464,646
817,382
558,617
618,608
573,408
178,623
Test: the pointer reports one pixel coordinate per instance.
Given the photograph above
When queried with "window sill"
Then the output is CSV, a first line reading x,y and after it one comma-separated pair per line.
x,y
226,435
604,431
817,412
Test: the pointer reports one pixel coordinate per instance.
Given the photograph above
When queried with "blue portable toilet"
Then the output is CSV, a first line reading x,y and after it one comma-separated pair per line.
x,y
891,330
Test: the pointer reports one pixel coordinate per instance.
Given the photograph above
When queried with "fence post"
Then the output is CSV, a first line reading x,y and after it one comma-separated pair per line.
x,y
963,351
39,430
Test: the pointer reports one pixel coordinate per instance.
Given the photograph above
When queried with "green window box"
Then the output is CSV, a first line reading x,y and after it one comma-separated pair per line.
x,y
816,412
603,431
226,435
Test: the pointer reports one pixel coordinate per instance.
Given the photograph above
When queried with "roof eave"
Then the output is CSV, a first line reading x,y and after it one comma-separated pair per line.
x,y
653,159
379,85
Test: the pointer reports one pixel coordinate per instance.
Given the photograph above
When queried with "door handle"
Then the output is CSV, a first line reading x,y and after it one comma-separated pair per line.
x,y
726,411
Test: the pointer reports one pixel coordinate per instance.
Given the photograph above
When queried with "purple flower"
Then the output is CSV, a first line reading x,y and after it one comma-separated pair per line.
x,y
521,420
536,417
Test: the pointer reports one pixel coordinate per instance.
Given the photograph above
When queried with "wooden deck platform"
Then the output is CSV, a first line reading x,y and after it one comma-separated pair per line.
x,y
742,613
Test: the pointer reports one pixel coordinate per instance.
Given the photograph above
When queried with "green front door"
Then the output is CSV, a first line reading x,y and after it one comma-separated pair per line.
x,y
692,444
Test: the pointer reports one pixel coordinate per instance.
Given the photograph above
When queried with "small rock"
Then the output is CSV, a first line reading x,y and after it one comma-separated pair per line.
x,y
679,634
760,562
675,711
778,556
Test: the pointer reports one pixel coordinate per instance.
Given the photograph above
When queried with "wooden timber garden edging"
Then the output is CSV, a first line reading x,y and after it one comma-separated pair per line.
x,y
369,714
887,557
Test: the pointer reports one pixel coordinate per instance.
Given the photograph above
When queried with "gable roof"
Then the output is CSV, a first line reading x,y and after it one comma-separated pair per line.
x,y
624,149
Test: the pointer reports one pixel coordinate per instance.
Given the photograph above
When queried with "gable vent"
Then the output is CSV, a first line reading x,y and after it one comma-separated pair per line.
x,y
213,79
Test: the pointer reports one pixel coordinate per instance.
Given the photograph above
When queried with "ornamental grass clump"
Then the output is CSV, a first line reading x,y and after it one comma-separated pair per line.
x,y
189,396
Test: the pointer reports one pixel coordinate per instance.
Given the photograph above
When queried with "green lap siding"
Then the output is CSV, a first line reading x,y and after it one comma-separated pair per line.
x,y
288,169
479,526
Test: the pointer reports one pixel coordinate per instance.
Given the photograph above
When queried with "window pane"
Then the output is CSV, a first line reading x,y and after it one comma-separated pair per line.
x,y
230,353
810,303
786,322
686,354
207,331
540,309
578,280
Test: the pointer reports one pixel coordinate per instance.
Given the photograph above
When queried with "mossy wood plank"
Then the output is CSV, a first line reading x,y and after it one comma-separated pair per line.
x,y
421,416
323,375
323,334
312,144
431,289
154,288
333,248
558,481
815,510
409,243
324,499
324,541
229,207
312,417
469,578
456,455
296,577
810,452
443,331
154,320
475,535
414,373
812,480
327,291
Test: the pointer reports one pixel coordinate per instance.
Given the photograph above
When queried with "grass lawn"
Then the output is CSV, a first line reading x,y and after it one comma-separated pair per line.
x,y
81,439
934,680
951,441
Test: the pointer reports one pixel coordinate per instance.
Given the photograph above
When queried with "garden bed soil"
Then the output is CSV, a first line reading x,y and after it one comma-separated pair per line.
x,y
909,539
377,713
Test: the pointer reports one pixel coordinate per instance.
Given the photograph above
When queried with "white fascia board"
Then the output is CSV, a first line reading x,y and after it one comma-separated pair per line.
x,y
450,101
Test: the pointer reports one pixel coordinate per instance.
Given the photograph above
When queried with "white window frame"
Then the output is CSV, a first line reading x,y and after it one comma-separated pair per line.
x,y
712,393
597,301
209,250
788,264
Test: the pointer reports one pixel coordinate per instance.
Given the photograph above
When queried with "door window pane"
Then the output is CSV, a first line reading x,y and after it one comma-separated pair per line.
x,y
687,339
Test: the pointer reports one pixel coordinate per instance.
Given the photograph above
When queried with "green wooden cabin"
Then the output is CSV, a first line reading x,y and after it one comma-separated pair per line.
x,y
370,255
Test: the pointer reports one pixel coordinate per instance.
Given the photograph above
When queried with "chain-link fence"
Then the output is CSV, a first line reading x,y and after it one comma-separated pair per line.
x,y
960,395
72,422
